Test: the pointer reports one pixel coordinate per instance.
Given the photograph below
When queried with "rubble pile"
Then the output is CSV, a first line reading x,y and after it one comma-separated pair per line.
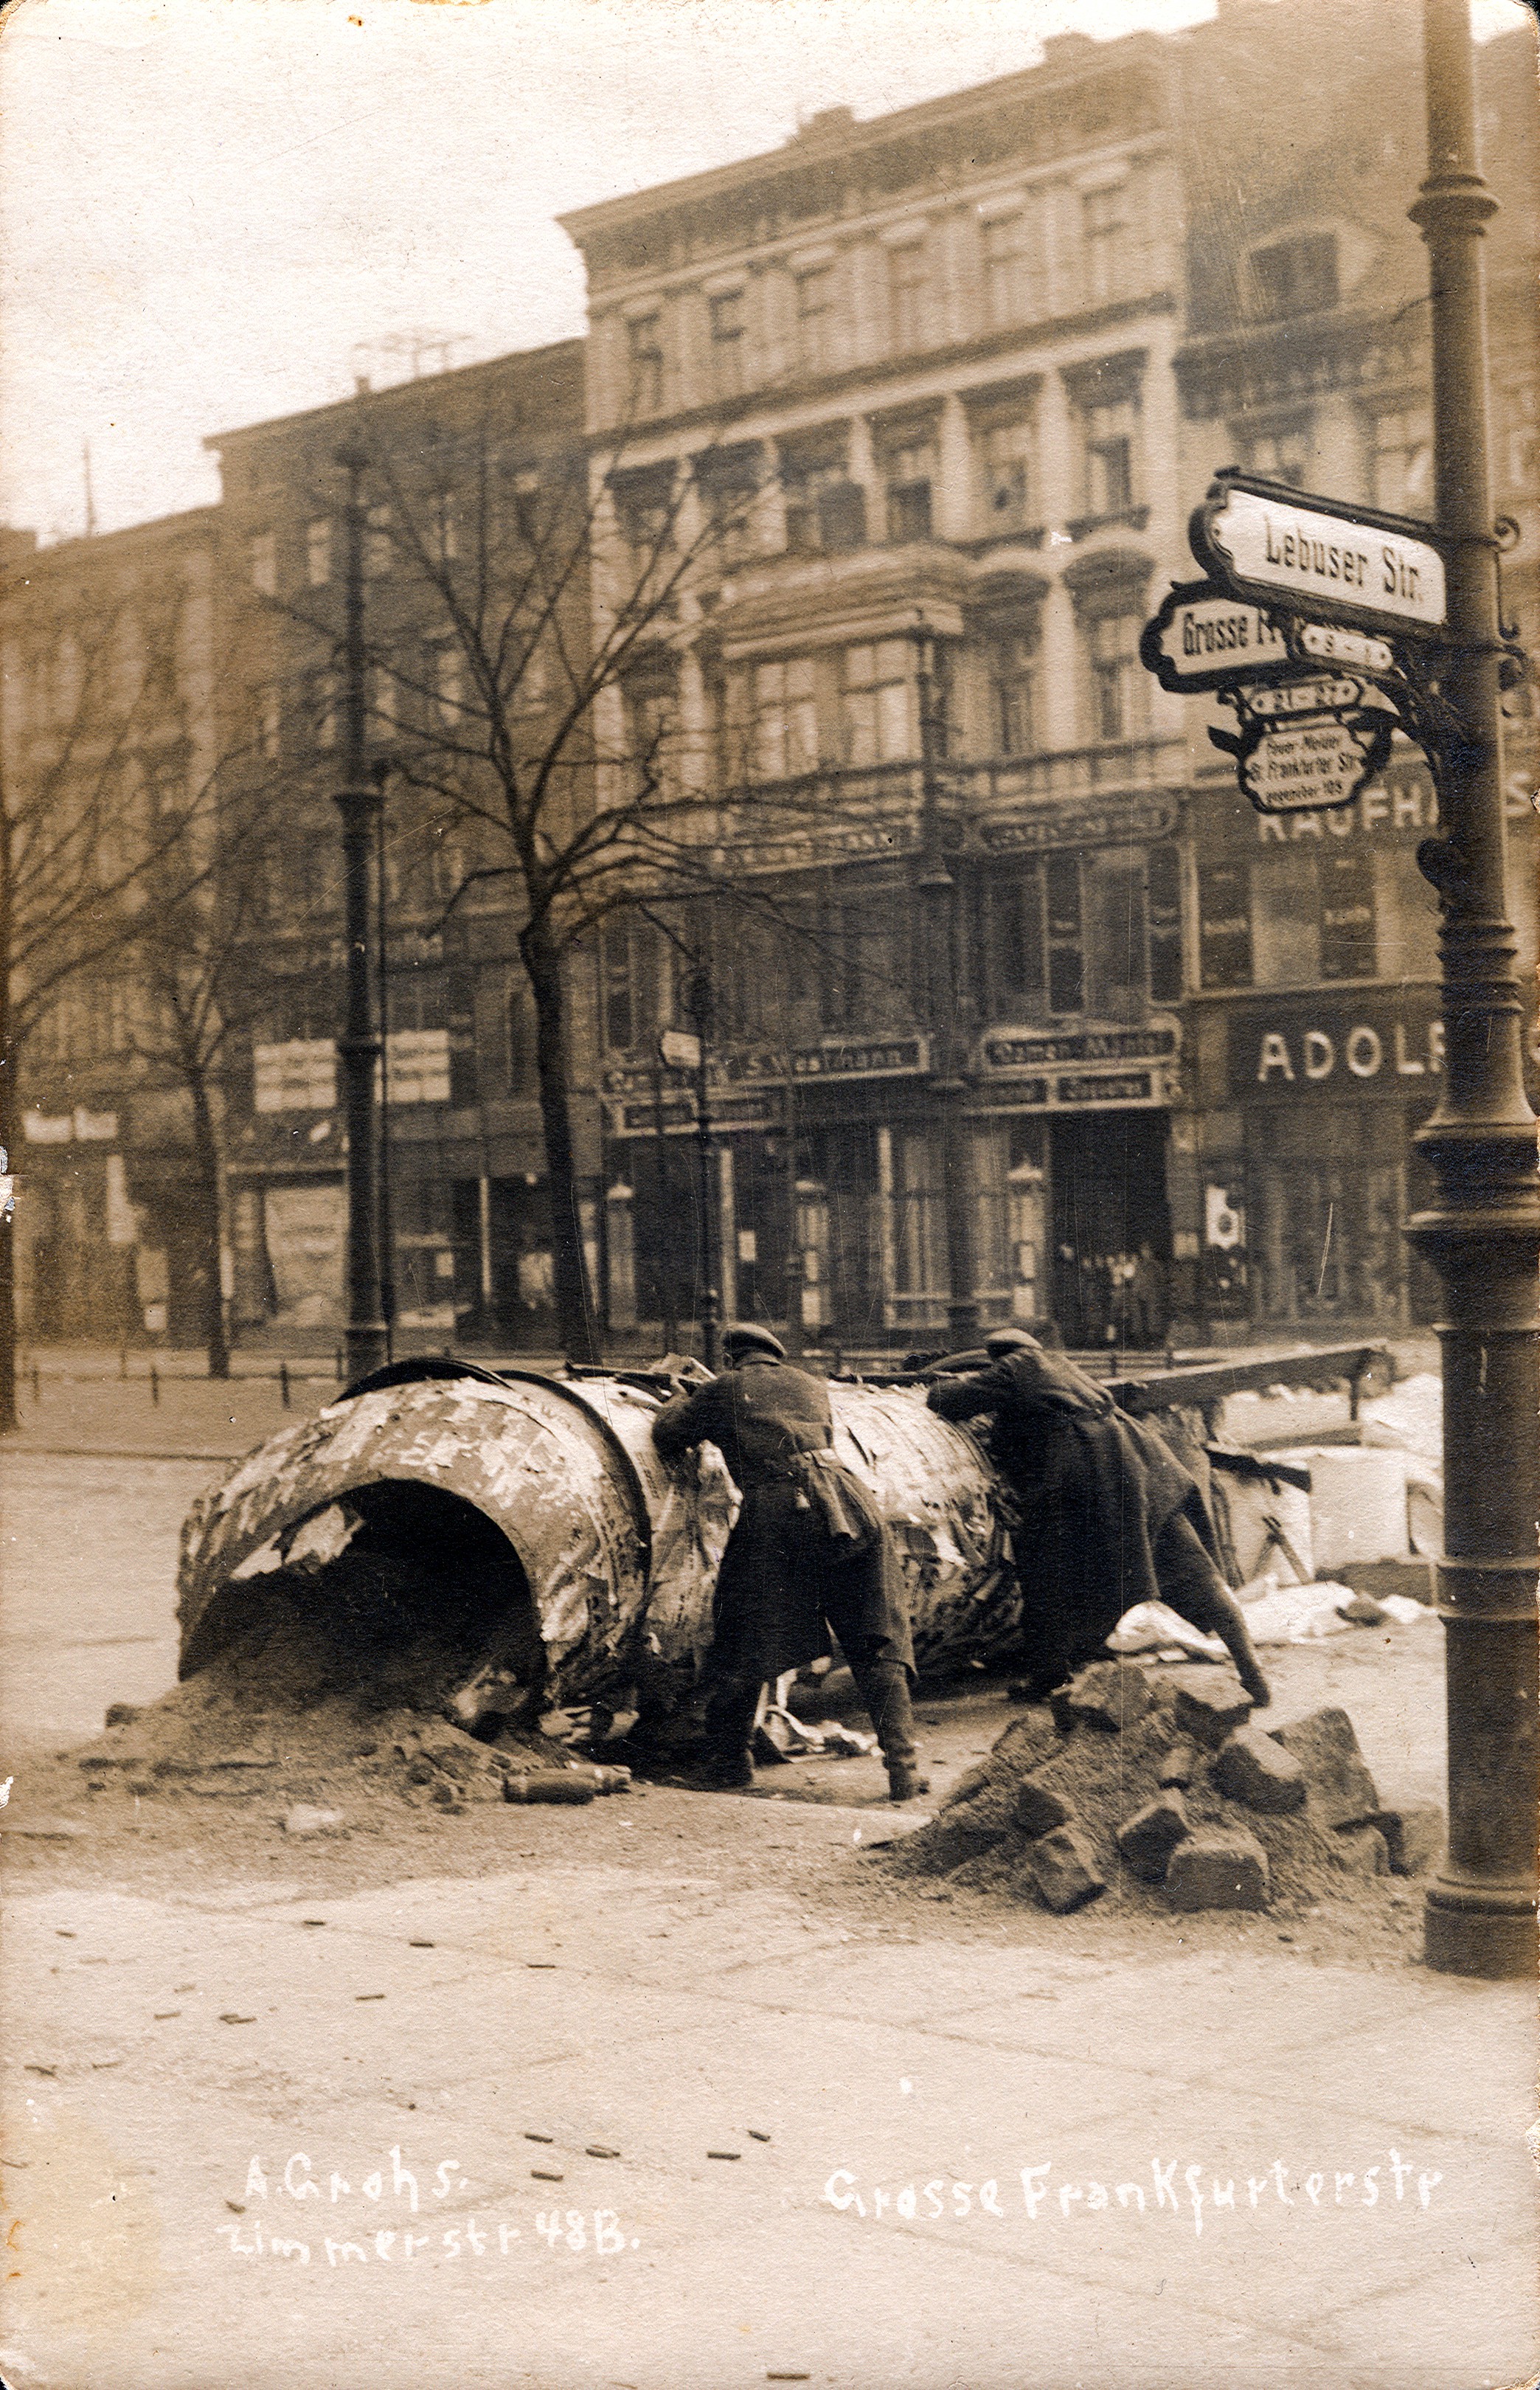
x,y
1157,1787
337,1687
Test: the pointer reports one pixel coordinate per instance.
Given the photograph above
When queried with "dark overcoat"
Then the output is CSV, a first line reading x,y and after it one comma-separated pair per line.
x,y
1093,1486
785,1577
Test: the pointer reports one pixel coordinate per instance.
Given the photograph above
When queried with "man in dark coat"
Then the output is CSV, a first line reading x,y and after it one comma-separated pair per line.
x,y
1110,1517
809,1551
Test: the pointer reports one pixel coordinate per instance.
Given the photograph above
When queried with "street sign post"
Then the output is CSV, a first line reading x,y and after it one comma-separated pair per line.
x,y
1265,543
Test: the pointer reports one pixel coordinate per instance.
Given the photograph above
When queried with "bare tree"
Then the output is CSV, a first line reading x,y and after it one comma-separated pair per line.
x,y
528,635
109,796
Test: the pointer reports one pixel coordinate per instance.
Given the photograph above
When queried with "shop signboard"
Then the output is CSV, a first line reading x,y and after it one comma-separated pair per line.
x,y
1267,544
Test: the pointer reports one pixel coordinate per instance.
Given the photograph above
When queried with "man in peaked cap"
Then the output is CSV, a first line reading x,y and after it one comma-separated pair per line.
x,y
1109,1515
809,1551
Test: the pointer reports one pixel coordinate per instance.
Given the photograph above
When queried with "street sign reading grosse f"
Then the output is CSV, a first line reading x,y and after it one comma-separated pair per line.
x,y
1269,547
1203,639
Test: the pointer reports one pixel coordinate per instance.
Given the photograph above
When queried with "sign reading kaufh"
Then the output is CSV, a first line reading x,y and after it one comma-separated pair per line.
x,y
1265,543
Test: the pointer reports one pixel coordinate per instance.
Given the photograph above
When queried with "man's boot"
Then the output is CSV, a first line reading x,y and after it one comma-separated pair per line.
x,y
727,1764
884,1688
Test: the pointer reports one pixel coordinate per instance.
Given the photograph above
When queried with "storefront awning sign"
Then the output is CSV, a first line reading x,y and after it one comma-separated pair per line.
x,y
1268,545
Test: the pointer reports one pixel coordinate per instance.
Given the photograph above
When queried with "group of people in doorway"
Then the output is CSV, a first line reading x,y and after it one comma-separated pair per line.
x,y
1106,1517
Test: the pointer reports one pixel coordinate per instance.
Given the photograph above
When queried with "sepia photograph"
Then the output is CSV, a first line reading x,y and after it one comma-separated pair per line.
x,y
769,1051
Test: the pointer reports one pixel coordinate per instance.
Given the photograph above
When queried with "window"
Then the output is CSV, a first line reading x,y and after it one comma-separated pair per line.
x,y
448,677
323,709
377,543
447,527
786,719
1006,460
644,509
318,552
1102,223
262,563
1014,939
1163,908
269,722
1112,427
1295,277
1066,952
857,962
384,703
1286,939
1521,442
67,678
1008,272
628,985
645,349
522,1051
1348,940
816,319
1116,928
909,473
1116,686
1403,460
1011,665
651,718
729,490
907,294
1225,924
728,345
1282,454
824,509
878,707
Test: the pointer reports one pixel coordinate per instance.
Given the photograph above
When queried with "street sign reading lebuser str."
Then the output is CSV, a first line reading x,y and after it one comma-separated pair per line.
x,y
1268,546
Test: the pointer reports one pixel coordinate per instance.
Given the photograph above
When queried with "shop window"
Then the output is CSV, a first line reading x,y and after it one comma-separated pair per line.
x,y
1348,928
785,718
318,552
1012,668
1298,276
816,319
1007,471
906,295
1225,924
1066,950
262,563
1009,280
1014,940
878,708
1117,680
1286,939
1281,453
1105,232
1403,460
645,357
1163,910
728,345
909,473
1113,886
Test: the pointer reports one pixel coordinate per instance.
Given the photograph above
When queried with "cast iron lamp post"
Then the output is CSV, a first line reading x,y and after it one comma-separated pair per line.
x,y
366,1338
1482,1232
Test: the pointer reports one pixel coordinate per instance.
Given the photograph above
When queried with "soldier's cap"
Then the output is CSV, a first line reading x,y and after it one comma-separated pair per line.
x,y
1010,1340
748,1336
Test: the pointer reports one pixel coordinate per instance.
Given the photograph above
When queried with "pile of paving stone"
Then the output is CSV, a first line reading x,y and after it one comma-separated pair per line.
x,y
1156,1786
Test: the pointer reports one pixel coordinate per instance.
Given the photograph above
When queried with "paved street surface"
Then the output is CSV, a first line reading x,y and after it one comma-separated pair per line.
x,y
997,2146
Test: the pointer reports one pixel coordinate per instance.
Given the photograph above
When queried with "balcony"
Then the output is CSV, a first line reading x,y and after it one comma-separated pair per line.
x,y
874,591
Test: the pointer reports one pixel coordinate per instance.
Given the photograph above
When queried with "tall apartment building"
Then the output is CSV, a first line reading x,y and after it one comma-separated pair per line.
x,y
452,457
110,742
966,369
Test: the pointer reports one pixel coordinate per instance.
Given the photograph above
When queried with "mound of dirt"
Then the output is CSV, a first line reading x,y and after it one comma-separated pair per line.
x,y
333,1694
1104,1778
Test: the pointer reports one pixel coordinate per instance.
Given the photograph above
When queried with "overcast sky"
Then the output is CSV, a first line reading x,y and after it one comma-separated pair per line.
x,y
206,204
